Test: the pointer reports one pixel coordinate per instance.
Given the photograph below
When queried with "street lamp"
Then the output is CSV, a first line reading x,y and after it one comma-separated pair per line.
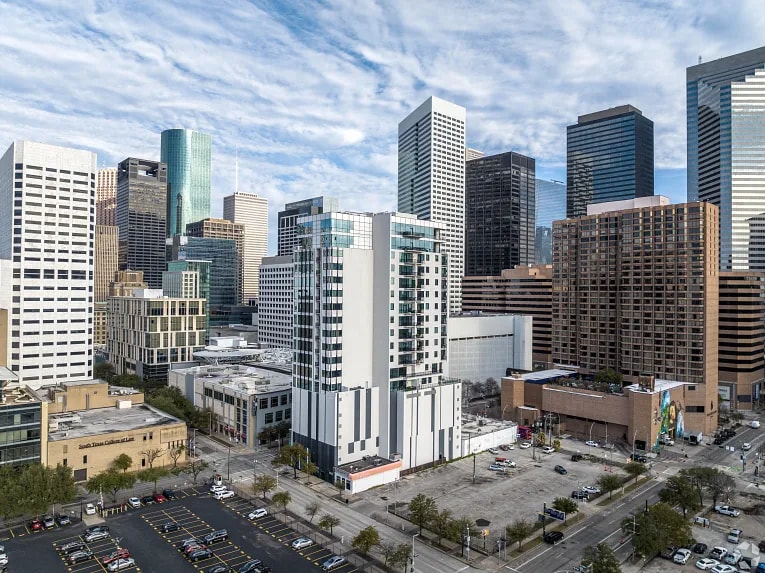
x,y
634,437
591,426
413,553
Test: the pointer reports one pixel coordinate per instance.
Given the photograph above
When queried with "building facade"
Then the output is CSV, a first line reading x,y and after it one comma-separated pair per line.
x,y
499,213
275,310
523,291
106,197
609,158
188,156
148,333
641,307
23,428
549,206
180,284
251,212
726,166
288,220
431,178
223,229
141,192
106,260
47,221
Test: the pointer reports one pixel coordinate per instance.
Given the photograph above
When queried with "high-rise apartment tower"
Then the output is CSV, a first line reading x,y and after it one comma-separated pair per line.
x,y
287,220
250,211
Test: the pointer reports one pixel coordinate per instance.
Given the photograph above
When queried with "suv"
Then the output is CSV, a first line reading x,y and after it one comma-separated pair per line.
x,y
215,536
48,522
734,537
577,457
251,566
561,470
552,537
169,494
580,495
62,519
199,554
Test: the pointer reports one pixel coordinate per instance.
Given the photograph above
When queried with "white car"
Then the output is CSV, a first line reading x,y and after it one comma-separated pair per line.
x,y
706,563
493,451
718,553
727,510
225,494
746,446
592,443
333,562
591,489
525,445
723,568
682,556
134,502
301,543
90,509
548,450
121,564
507,463
258,513
216,488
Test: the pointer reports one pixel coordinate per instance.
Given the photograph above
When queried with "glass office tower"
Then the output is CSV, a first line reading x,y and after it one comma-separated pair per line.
x,y
726,157
188,155
549,206
609,158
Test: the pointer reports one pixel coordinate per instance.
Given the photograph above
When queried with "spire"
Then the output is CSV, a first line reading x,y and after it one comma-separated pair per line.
x,y
236,171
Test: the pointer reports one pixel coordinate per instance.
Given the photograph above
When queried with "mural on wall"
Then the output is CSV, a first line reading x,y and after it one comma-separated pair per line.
x,y
671,417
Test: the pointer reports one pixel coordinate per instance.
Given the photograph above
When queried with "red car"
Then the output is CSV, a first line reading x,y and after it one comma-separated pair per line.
x,y
35,525
114,555
159,498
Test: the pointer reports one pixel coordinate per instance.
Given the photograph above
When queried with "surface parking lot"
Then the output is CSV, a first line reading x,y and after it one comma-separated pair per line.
x,y
197,513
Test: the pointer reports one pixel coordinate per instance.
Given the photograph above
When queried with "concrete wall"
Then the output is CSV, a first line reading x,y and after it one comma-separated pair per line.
x,y
87,397
475,443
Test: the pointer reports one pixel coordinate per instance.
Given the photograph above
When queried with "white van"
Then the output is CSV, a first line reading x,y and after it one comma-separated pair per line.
x,y
754,424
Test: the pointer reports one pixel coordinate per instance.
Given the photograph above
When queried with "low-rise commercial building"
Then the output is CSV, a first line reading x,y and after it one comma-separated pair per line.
x,y
22,428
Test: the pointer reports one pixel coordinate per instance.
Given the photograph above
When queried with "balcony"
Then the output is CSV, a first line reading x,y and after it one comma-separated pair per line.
x,y
406,334
406,295
406,347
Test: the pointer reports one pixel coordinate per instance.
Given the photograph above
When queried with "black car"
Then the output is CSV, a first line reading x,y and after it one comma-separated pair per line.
x,y
199,554
62,519
639,458
251,566
169,494
79,557
668,552
699,548
169,526
189,542
71,547
579,495
148,500
553,537
561,470
96,528
577,457
219,568
215,536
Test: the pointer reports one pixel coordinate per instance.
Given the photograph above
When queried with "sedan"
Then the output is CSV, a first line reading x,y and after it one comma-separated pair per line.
x,y
301,543
216,488
525,445
48,522
706,563
592,444
682,556
148,500
561,470
727,510
553,537
79,557
548,450
199,554
723,568
90,509
134,502
496,468
333,562
114,555
251,566
121,564
746,446
95,536
159,498
591,489
62,519
219,568
493,451
35,525
169,526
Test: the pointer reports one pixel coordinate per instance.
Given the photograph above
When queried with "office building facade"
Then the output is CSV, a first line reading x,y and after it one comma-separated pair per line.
x,y
188,156
288,220
499,213
141,193
726,166
275,310
549,206
431,178
106,197
106,260
609,158
639,307
250,211
47,235
223,229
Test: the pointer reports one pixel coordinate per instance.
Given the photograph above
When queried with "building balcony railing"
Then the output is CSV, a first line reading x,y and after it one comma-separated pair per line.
x,y
406,347
406,334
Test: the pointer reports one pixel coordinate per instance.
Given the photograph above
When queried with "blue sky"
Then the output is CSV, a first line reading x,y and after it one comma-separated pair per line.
x,y
312,92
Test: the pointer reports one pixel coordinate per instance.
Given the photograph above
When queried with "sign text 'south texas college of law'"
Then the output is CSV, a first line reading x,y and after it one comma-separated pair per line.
x,y
107,442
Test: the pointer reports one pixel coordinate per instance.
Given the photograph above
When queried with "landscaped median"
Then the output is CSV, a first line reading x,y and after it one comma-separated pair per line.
x,y
624,490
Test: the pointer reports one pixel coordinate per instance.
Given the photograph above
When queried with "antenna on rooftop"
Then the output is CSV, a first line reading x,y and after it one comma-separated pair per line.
x,y
699,59
236,171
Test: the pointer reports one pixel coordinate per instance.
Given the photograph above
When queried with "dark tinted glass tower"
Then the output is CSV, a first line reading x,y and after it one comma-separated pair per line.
x,y
550,205
610,158
499,213
141,196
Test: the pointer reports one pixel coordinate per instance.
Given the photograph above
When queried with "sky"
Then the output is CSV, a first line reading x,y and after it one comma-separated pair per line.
x,y
310,93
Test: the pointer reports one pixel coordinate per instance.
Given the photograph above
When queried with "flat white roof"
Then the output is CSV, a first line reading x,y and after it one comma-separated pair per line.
x,y
547,374
659,386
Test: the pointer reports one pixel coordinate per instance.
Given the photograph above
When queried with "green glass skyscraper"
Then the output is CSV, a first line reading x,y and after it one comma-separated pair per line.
x,y
187,154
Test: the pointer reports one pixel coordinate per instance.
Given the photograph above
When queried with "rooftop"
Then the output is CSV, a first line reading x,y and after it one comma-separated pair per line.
x,y
478,424
101,421
659,386
13,394
249,379
544,376
366,463
6,374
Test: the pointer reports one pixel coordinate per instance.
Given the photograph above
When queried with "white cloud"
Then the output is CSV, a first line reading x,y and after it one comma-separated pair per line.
x,y
312,93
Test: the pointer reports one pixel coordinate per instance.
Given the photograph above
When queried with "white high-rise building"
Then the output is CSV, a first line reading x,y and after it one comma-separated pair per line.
x,y
431,178
275,303
370,342
47,229
251,211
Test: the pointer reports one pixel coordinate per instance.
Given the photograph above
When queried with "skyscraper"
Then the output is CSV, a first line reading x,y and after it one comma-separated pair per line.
x,y
106,260
250,211
223,229
188,156
106,196
47,219
287,219
549,206
431,178
726,164
610,158
141,193
499,213
275,310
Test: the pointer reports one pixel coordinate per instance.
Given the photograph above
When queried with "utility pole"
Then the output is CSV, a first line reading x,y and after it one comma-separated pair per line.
x,y
467,542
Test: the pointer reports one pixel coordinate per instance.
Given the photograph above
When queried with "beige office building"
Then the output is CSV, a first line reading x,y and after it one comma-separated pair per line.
x,y
252,212
106,260
223,229
106,197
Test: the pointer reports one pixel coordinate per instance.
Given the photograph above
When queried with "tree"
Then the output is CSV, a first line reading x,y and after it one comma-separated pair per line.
x,y
42,487
400,557
152,475
10,492
634,469
295,456
680,491
602,559
196,467
128,381
458,529
441,523
609,483
566,505
329,522
518,530
608,377
540,439
736,416
152,455
263,483
281,499
422,510
556,444
111,481
122,462
311,509
176,453
366,539
655,529
104,371
710,480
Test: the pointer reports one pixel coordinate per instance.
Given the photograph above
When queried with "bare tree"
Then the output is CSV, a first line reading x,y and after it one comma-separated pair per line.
x,y
152,455
175,454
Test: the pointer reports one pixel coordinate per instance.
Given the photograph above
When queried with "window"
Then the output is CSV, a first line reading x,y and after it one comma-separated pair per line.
x,y
274,401
279,415
84,459
263,403
270,418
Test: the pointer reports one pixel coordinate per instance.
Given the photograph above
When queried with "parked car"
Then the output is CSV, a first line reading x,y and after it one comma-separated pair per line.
x,y
99,527
158,497
225,494
682,556
591,489
734,536
194,547
121,564
579,495
63,519
215,537
727,510
199,554
548,450
496,468
253,566
48,522
718,553
95,536
169,494
71,547
333,563
114,555
706,563
257,513
561,470
552,537
134,502
219,568
525,445
592,443
35,525
733,557
90,509
493,451
169,526
577,457
79,557
148,500
639,458
188,542
216,488
301,543
723,568
668,552
699,548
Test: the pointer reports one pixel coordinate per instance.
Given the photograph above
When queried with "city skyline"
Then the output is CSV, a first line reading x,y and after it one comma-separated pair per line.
x,y
329,125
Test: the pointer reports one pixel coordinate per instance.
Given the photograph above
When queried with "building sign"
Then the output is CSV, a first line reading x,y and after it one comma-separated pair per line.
x,y
107,442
